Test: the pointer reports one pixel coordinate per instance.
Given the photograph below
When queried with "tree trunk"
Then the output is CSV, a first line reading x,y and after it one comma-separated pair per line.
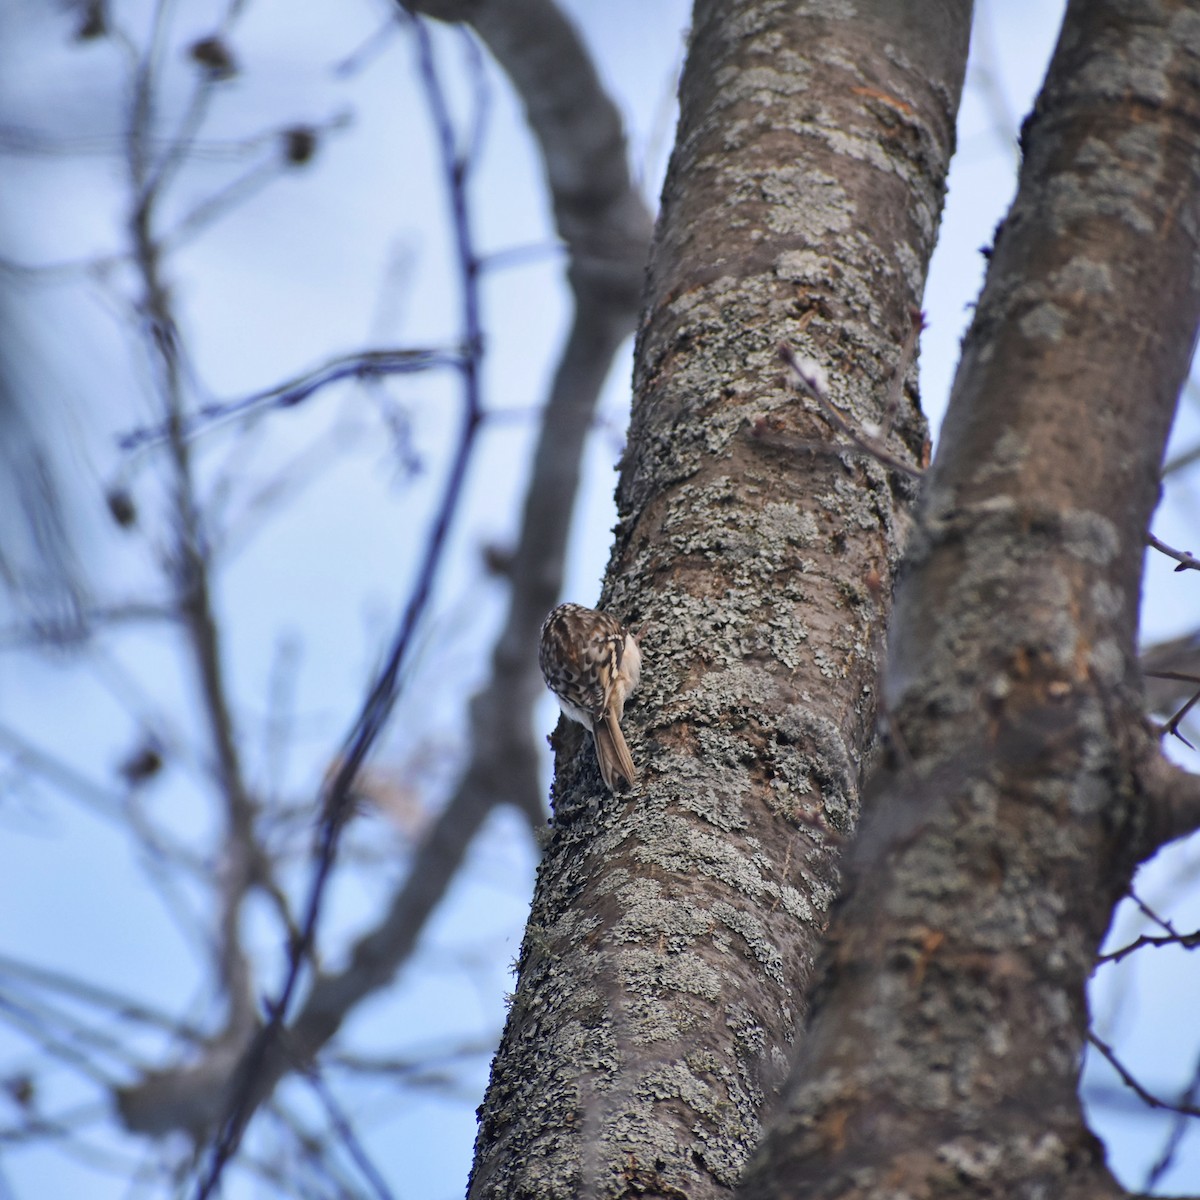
x,y
942,1057
674,929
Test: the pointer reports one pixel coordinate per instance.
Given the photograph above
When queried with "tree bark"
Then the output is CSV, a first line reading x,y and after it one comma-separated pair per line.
x,y
943,1050
673,931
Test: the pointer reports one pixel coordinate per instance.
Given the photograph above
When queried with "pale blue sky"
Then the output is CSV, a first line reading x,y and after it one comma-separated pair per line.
x,y
348,253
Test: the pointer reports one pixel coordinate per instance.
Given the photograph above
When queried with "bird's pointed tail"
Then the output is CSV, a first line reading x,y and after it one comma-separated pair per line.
x,y
612,753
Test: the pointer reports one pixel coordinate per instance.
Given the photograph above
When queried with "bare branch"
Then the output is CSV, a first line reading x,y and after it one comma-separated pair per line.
x,y
1179,1128
1186,561
1186,941
908,351
346,1135
1172,726
367,364
1148,912
809,378
1147,1098
1171,671
123,1007
1171,802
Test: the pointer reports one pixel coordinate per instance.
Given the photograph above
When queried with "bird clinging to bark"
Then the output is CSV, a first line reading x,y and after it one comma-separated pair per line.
x,y
592,664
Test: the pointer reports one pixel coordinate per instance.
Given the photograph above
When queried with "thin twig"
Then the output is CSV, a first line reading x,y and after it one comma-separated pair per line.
x,y
345,1131
809,378
122,1007
417,1062
1187,941
1172,726
1147,1098
189,559
1181,461
367,364
1186,561
1179,1127
32,1022
234,194
908,350
1147,911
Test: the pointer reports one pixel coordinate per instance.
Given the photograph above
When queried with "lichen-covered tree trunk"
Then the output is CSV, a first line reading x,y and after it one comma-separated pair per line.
x,y
663,973
946,1033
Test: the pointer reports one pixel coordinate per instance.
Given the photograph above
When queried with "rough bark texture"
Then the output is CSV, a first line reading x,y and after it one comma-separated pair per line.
x,y
673,930
943,1051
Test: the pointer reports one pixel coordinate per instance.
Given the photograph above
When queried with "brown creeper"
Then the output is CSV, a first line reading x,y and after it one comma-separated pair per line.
x,y
592,664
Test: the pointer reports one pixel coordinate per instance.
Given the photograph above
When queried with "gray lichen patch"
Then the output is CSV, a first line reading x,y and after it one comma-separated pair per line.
x,y
1103,187
1083,276
805,266
1108,662
1090,537
710,524
649,915
718,798
738,687
786,524
1044,322
762,84
752,931
676,844
826,207
1009,452
645,971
